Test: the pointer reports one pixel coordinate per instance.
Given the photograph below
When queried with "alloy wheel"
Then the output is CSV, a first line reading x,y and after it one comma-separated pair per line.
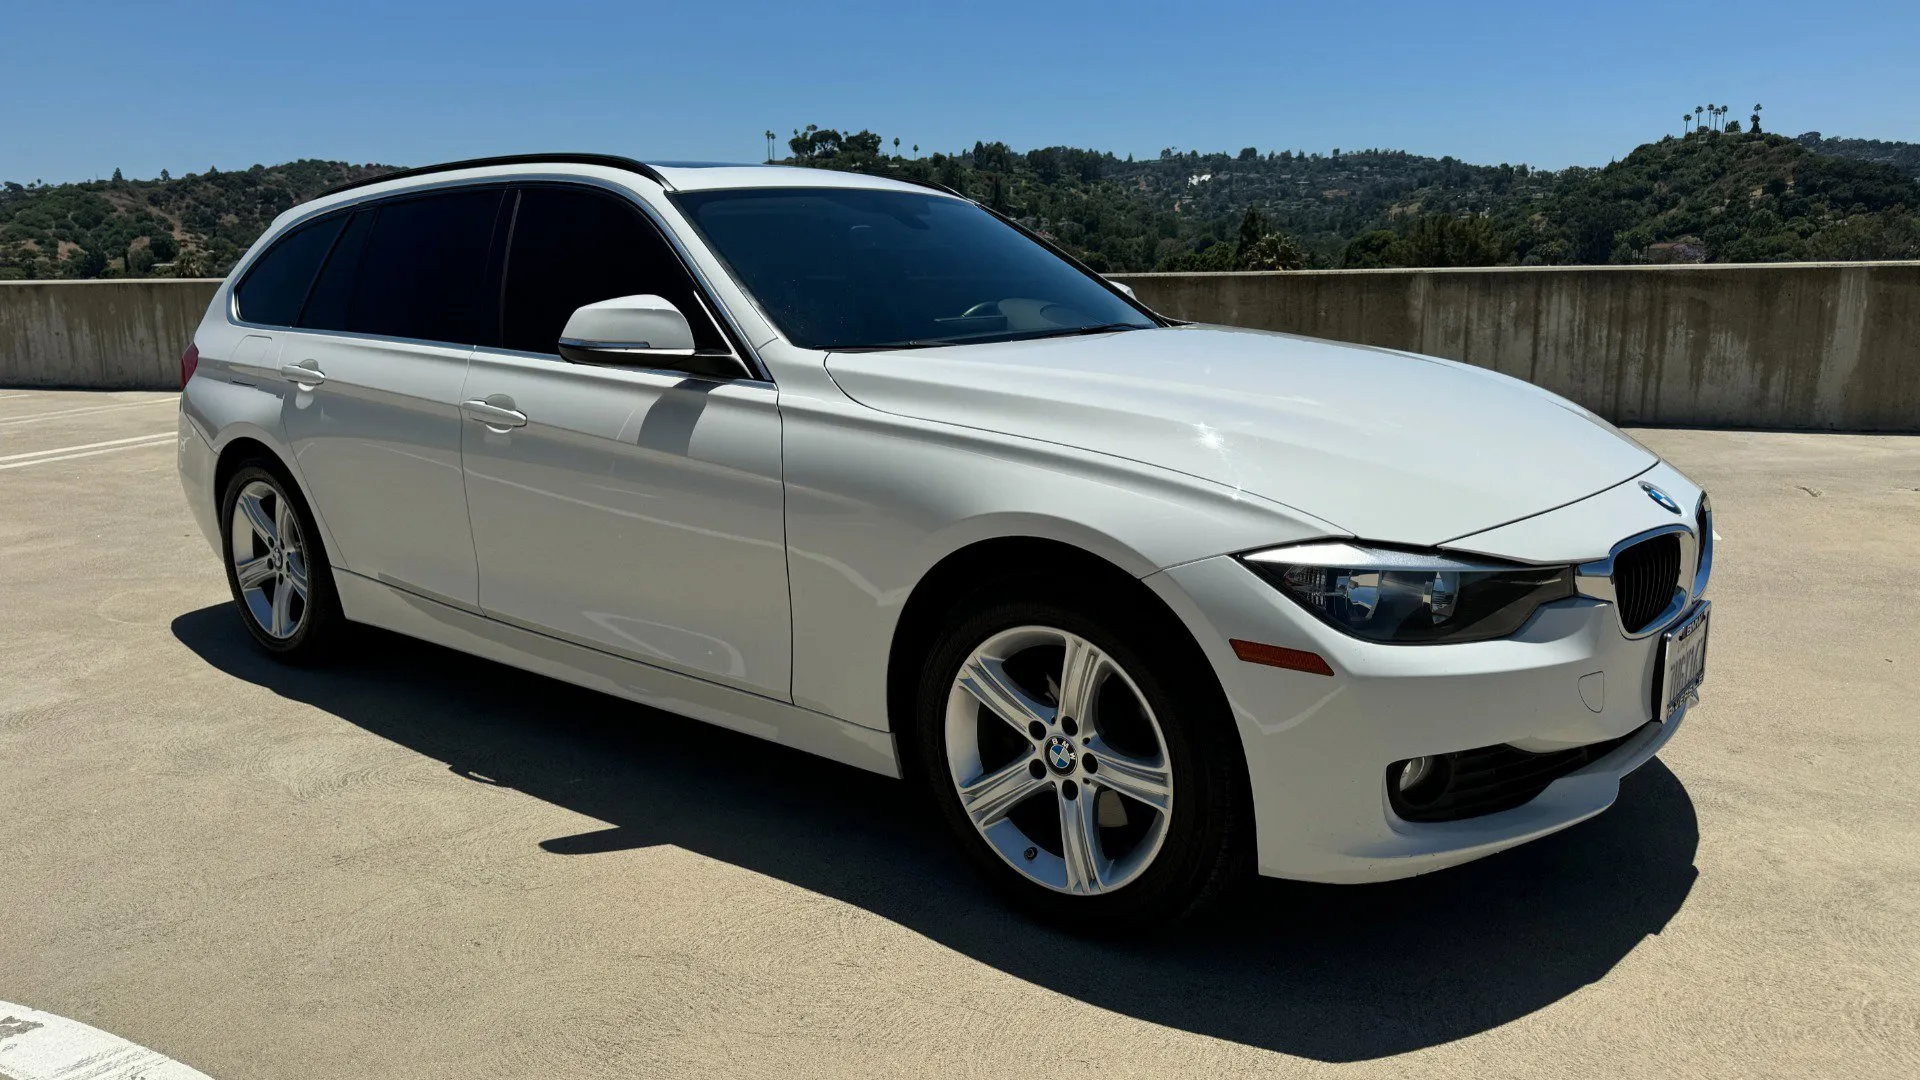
x,y
269,559
1058,760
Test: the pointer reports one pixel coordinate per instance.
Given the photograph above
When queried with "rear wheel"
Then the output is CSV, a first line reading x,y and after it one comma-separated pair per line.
x,y
276,567
1087,769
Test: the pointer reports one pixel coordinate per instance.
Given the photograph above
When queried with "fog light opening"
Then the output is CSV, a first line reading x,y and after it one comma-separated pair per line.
x,y
1422,781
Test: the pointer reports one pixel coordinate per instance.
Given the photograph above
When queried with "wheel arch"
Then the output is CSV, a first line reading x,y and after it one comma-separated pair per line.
x,y
240,447
981,565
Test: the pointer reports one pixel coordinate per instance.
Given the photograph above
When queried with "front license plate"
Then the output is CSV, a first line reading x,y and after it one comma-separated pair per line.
x,y
1683,662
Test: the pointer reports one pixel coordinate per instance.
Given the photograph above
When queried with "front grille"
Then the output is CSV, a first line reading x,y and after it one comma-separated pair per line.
x,y
1644,578
1470,783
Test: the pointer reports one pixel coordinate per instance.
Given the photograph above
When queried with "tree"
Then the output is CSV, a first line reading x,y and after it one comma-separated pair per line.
x,y
164,176
1697,110
896,146
1370,250
1733,127
1249,153
1273,251
1753,124
117,178
1686,119
1253,226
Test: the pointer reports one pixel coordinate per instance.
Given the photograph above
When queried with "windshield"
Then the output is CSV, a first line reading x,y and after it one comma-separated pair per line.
x,y
852,268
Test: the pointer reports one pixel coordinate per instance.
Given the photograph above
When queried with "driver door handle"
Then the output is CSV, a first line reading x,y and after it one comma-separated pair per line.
x,y
493,416
307,373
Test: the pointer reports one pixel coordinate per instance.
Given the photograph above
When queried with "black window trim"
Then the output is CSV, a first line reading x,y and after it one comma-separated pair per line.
x,y
716,308
754,369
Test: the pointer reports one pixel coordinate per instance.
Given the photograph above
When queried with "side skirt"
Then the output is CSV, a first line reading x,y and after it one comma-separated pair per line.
x,y
368,601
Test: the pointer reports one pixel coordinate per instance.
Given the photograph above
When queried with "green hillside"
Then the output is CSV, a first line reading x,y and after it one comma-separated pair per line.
x,y
1707,196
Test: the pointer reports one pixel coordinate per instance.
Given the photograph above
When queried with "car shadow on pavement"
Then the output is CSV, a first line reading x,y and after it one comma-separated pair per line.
x,y
1336,973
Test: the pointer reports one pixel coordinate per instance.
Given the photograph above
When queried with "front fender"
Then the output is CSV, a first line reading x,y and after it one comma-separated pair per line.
x,y
874,501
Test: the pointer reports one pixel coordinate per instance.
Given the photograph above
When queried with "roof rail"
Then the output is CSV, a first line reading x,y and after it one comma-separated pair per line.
x,y
611,161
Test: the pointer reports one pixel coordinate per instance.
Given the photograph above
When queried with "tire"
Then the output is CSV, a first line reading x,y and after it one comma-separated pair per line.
x,y
1140,864
288,622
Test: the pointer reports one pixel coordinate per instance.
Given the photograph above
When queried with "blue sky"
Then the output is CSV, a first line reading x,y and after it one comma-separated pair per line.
x,y
90,85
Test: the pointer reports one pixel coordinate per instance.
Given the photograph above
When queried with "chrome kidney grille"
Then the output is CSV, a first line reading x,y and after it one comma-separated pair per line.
x,y
1645,577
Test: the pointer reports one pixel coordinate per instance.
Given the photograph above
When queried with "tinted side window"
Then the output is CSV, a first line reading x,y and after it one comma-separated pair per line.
x,y
572,247
421,271
277,283
327,304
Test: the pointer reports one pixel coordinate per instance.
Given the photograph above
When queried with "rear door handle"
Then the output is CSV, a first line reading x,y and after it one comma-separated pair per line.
x,y
307,373
494,416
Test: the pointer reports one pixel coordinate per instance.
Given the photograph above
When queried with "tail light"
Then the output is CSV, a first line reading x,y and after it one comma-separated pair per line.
x,y
189,360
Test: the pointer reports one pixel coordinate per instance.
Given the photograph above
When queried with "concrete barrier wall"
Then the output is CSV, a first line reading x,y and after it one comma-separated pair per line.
x,y
1808,346
114,334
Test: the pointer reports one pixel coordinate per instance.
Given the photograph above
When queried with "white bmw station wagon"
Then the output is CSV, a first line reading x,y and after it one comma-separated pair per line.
x,y
861,467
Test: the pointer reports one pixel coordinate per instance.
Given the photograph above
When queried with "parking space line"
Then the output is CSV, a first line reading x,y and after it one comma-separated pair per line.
x,y
15,421
37,1045
151,440
86,446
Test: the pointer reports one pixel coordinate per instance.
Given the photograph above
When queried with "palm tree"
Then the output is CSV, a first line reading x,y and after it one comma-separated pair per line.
x,y
916,149
1686,120
769,144
1755,126
1697,110
896,146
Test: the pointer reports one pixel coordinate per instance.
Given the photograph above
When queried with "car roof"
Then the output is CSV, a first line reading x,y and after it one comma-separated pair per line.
x,y
674,176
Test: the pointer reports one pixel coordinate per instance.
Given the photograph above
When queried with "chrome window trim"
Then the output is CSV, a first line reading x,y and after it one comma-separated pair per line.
x,y
704,292
1594,579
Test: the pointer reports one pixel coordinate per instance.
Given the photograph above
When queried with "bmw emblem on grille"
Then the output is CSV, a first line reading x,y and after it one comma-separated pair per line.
x,y
1659,496
1060,754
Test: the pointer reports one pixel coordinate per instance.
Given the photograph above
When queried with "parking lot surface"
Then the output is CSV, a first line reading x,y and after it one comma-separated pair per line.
x,y
416,864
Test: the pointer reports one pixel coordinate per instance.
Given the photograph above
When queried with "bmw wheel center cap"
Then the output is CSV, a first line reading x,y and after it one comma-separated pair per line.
x,y
1060,754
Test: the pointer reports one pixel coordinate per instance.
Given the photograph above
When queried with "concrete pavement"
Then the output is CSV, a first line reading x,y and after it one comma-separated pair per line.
x,y
416,864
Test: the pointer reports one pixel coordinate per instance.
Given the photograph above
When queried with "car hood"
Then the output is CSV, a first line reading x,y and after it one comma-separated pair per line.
x,y
1387,445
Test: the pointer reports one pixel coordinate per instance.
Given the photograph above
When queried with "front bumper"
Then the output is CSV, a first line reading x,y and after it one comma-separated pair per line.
x,y
1318,747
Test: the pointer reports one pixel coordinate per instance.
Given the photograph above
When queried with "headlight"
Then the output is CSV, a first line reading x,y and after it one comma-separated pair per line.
x,y
1410,597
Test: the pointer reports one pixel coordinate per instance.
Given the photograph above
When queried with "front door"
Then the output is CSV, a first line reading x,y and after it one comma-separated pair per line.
x,y
634,511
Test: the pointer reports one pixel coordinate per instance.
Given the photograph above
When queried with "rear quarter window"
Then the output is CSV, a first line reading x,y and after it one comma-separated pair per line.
x,y
276,285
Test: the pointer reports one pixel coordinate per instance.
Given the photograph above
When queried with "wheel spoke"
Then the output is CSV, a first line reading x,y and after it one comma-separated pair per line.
x,y
282,623
989,798
986,679
256,513
284,526
255,572
1144,781
297,573
1080,672
1080,844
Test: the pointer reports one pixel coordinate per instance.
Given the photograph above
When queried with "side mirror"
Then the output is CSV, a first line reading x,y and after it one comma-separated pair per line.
x,y
626,330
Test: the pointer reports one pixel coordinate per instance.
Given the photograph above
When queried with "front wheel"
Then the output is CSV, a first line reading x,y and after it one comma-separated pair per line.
x,y
1089,770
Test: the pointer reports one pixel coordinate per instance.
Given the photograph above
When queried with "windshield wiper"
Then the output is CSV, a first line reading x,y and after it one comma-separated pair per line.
x,y
1103,328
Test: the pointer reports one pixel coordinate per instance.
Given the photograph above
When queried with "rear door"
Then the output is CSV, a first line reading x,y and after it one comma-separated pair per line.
x,y
633,510
374,378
